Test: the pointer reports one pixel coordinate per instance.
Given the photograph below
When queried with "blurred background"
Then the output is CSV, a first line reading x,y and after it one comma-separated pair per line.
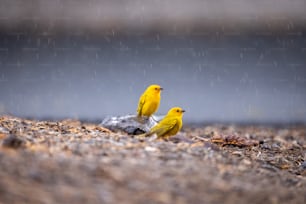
x,y
222,61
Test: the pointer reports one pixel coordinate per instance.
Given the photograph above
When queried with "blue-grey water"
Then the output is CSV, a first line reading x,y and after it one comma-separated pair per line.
x,y
215,77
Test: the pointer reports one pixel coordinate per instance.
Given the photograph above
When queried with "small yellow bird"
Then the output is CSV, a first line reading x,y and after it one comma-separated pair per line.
x,y
169,125
149,101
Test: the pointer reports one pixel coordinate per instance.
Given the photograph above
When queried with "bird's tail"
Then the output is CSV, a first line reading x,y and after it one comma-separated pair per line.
x,y
144,135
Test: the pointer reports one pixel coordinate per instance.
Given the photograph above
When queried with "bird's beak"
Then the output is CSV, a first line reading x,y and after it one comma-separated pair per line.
x,y
183,111
161,88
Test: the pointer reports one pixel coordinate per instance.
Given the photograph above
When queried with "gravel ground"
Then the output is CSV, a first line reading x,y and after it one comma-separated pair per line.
x,y
72,162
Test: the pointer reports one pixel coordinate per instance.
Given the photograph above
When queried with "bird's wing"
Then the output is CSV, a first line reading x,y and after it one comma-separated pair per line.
x,y
141,102
164,126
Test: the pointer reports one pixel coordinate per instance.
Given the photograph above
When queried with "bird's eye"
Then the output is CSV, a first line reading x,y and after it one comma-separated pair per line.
x,y
156,88
177,110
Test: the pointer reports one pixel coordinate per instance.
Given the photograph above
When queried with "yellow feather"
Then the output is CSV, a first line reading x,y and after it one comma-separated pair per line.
x,y
149,101
169,125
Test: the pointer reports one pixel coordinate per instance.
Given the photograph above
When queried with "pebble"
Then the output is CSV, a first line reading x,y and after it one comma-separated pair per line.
x,y
303,165
12,141
151,149
67,153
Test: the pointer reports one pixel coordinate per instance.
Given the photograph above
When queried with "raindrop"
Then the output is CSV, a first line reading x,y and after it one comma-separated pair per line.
x,y
200,68
212,84
38,42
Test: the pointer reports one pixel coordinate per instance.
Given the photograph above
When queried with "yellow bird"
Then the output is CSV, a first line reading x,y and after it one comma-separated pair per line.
x,y
169,125
149,101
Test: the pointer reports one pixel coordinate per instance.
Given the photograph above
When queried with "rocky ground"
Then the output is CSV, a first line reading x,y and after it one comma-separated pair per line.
x,y
73,162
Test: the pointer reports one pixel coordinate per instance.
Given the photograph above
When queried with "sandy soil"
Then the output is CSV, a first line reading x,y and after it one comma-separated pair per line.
x,y
73,162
